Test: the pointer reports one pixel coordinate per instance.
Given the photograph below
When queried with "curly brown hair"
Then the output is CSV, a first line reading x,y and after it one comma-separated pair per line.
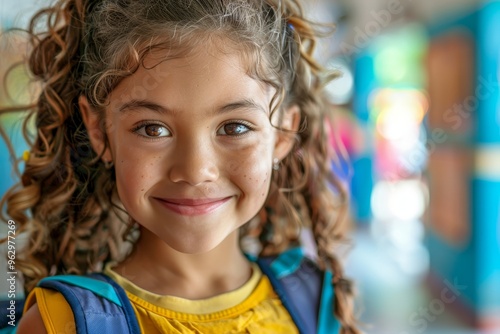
x,y
67,200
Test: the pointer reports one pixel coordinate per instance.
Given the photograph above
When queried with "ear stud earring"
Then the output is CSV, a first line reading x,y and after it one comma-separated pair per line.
x,y
108,164
276,164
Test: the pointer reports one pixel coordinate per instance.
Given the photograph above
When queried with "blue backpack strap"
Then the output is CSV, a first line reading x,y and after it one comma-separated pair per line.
x,y
99,304
295,279
327,323
305,293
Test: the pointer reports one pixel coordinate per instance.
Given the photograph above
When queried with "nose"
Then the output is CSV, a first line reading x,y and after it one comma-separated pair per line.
x,y
194,162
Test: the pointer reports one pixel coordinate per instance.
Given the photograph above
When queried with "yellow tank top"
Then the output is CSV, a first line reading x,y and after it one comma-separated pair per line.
x,y
252,308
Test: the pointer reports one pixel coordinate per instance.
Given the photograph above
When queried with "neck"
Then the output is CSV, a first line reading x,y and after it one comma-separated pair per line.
x,y
160,269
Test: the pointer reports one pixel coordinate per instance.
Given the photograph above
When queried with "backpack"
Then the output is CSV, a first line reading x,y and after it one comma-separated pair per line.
x,y
100,305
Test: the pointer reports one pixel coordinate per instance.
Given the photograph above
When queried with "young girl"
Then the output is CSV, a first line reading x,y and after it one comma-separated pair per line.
x,y
188,128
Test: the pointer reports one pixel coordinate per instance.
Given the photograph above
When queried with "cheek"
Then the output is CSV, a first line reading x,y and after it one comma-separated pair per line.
x,y
252,172
135,174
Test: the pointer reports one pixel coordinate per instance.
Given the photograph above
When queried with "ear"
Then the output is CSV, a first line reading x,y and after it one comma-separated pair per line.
x,y
286,139
92,124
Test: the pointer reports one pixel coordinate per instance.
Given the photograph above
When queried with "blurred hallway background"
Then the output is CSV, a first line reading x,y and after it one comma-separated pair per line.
x,y
417,110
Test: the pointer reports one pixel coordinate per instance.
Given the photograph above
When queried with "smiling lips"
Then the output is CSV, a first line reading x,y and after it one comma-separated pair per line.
x,y
193,206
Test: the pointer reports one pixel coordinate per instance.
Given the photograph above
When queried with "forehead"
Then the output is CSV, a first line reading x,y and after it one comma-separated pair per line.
x,y
209,44
207,72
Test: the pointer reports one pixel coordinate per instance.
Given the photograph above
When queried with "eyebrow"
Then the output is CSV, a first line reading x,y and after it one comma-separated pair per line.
x,y
135,104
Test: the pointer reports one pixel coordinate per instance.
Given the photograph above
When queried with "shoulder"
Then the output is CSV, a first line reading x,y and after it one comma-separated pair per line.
x,y
32,322
298,281
46,309
292,262
69,297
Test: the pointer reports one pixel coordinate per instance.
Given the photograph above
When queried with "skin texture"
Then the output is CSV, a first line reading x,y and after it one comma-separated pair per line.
x,y
31,322
192,128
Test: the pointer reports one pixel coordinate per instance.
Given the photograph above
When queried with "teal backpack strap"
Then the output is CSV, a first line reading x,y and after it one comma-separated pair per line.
x,y
98,287
8,330
287,262
327,323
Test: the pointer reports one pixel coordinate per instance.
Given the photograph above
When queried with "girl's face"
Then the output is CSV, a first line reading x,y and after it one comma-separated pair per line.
x,y
193,146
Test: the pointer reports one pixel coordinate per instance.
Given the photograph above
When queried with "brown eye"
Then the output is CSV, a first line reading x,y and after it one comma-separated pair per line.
x,y
152,130
233,129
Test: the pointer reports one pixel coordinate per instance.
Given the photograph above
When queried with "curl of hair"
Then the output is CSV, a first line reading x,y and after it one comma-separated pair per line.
x,y
64,201
67,200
